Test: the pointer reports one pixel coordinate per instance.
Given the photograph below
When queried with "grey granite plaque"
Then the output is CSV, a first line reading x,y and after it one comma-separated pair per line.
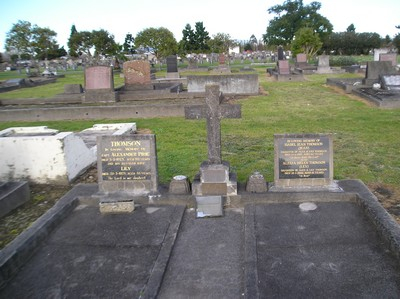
x,y
127,164
303,160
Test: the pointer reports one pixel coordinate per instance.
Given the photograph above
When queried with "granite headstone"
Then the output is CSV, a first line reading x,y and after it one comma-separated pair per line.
x,y
303,160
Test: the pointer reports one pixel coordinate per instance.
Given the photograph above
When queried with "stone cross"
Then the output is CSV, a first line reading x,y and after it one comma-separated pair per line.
x,y
213,111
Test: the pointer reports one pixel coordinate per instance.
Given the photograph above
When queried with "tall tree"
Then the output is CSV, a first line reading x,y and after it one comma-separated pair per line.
x,y
81,43
351,28
104,43
253,42
306,41
396,40
44,42
188,43
19,38
72,45
159,40
201,37
221,43
290,17
196,40
129,44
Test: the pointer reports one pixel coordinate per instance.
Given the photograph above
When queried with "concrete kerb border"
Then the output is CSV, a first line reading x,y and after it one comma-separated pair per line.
x,y
354,190
386,226
19,251
22,248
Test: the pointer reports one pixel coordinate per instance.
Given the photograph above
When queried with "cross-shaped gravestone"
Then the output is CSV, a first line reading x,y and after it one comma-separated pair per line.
x,y
213,111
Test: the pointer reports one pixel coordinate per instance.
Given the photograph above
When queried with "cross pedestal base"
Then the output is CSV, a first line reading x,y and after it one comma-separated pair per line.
x,y
214,179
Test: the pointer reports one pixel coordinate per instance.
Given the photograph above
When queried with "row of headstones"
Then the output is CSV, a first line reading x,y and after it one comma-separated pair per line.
x,y
127,165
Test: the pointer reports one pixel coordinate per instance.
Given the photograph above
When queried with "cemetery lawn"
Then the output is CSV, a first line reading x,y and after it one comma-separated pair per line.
x,y
366,139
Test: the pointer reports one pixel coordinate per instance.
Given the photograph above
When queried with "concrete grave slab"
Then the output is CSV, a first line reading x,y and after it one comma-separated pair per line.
x,y
42,155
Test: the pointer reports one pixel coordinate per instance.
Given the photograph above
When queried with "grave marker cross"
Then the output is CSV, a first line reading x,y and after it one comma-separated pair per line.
x,y
213,111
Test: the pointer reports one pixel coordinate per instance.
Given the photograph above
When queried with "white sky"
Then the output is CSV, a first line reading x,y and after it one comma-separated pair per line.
x,y
239,19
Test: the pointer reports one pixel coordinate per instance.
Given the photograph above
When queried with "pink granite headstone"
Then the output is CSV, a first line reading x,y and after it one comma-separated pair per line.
x,y
99,77
283,67
392,57
137,74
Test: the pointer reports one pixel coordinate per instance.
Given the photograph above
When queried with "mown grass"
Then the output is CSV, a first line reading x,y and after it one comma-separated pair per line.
x,y
366,138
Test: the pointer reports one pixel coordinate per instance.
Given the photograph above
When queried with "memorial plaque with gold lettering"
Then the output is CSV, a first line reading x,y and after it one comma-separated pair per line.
x,y
303,159
127,164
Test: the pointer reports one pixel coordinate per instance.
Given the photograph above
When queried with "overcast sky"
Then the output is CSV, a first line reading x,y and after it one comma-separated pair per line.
x,y
239,19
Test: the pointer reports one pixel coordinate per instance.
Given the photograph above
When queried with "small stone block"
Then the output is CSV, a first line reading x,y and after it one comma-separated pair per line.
x,y
117,207
209,206
179,185
256,183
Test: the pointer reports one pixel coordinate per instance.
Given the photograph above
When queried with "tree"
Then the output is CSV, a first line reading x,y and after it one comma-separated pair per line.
x,y
104,43
196,40
396,42
221,43
129,44
43,42
81,43
159,40
188,43
306,41
351,43
351,28
201,38
291,16
19,38
253,42
72,44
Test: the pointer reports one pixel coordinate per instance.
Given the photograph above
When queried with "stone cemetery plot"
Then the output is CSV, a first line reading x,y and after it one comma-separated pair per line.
x,y
329,249
375,69
347,84
99,84
246,84
46,156
140,80
101,257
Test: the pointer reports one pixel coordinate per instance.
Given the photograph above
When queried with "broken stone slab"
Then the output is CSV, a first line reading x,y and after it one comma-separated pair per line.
x,y
46,156
13,195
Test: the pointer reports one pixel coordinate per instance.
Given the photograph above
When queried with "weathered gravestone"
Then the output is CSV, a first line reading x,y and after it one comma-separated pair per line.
x,y
127,167
99,84
303,161
221,58
137,75
214,178
375,69
378,52
172,67
323,65
281,55
392,57
301,60
283,67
